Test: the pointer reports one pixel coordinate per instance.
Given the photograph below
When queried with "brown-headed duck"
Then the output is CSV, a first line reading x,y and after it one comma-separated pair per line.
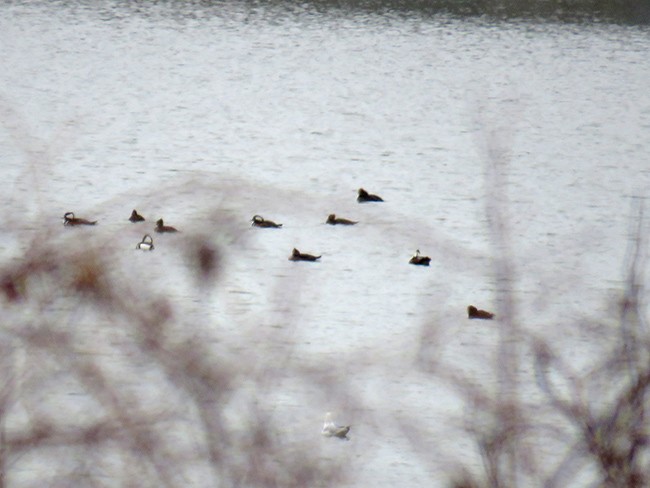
x,y
136,217
332,219
475,313
364,196
161,227
298,256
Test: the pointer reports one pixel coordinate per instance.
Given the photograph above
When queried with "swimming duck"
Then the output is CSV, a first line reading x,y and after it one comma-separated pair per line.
x,y
259,221
136,217
417,258
330,429
70,219
146,244
475,313
364,196
161,227
333,220
298,256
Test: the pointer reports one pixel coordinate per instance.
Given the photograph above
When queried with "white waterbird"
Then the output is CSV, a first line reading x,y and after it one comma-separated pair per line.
x,y
330,429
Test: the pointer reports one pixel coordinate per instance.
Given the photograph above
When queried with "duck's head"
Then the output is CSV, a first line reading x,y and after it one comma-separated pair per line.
x,y
295,252
257,218
471,310
331,217
362,192
159,223
68,215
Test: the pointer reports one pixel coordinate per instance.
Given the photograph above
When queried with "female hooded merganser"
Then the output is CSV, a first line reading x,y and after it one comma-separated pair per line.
x,y
333,220
146,244
475,313
136,217
161,227
298,256
364,196
259,221
330,429
419,259
70,219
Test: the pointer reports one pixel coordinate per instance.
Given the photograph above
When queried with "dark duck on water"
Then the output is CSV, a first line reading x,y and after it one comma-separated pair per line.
x,y
299,256
70,220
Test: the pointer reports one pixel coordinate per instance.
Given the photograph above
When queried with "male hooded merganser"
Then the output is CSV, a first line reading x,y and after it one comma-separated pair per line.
x,y
330,429
259,221
417,258
146,244
161,227
70,219
475,313
364,196
334,220
136,217
298,256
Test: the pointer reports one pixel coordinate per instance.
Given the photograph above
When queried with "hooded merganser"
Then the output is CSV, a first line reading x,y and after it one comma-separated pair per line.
x,y
136,217
334,220
259,221
161,227
298,256
364,196
417,258
146,244
70,219
475,313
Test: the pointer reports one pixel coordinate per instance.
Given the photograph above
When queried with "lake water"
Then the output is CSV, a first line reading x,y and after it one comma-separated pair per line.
x,y
206,114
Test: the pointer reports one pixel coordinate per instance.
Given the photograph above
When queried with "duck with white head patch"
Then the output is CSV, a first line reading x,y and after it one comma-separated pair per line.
x,y
419,259
70,220
146,244
259,221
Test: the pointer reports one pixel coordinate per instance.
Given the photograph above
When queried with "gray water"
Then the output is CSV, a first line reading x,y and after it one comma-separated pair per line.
x,y
208,114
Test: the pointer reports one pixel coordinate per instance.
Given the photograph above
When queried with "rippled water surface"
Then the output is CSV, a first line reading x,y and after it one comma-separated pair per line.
x,y
206,115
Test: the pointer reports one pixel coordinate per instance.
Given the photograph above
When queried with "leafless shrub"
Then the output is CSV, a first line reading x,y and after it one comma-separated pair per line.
x,y
107,390
595,418
148,401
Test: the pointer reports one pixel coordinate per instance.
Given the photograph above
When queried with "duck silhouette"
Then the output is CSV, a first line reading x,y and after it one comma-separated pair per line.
x,y
364,196
70,220
475,313
136,217
332,219
146,244
299,256
420,260
161,227
259,221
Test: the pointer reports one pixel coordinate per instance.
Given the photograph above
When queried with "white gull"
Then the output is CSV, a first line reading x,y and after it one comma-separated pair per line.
x,y
330,429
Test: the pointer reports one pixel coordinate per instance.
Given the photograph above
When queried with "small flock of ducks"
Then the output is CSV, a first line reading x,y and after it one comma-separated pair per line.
x,y
363,196
330,429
